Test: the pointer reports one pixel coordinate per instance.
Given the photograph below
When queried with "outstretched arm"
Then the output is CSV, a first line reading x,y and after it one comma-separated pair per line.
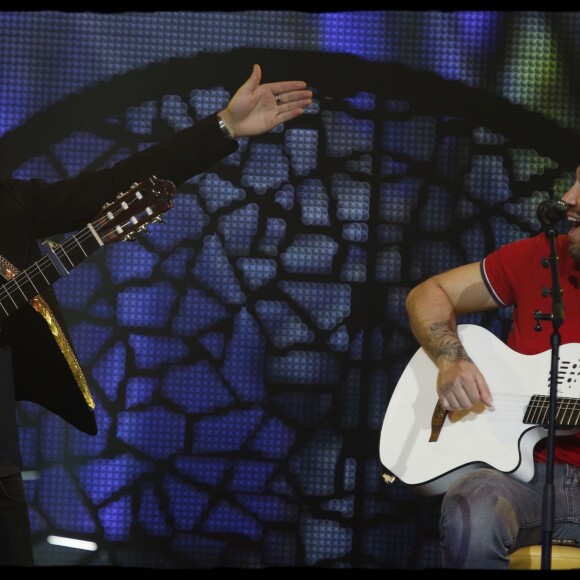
x,y
433,307
256,108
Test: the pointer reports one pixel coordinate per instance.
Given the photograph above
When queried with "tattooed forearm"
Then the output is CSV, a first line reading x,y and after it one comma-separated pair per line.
x,y
445,342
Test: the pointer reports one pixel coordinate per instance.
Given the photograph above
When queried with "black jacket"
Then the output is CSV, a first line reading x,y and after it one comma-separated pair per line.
x,y
33,209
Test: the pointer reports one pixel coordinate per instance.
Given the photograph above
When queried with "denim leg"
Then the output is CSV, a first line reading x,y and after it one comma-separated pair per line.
x,y
15,536
567,503
481,516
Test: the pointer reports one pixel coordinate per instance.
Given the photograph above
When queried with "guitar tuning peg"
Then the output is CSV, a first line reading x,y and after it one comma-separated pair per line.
x,y
129,238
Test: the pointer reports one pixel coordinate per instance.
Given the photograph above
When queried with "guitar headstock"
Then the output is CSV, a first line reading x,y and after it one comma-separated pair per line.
x,y
131,211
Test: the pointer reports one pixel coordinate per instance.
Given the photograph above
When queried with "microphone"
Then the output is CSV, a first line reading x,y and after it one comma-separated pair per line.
x,y
551,211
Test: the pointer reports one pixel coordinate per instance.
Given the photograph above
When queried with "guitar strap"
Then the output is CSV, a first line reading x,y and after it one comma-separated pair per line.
x,y
8,271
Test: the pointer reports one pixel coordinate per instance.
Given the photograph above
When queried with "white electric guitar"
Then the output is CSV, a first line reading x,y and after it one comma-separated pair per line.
x,y
428,448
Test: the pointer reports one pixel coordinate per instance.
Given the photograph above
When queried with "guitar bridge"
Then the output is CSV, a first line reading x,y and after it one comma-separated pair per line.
x,y
437,420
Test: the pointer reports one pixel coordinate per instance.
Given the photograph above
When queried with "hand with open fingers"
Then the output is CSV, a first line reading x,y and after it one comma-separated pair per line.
x,y
256,108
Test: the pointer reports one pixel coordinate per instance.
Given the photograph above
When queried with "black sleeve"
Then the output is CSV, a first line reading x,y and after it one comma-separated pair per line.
x,y
68,205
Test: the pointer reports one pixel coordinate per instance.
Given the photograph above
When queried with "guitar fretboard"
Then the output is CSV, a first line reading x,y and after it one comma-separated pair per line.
x,y
20,289
120,219
567,411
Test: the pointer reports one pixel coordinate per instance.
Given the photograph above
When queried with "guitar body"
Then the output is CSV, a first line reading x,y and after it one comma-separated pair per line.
x,y
496,438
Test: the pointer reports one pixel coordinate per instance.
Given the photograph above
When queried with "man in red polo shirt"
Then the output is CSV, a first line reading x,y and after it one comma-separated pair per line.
x,y
487,514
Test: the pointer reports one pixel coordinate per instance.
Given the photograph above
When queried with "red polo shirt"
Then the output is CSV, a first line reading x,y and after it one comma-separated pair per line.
x,y
514,275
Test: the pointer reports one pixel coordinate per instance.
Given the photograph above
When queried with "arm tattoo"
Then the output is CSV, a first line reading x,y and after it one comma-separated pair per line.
x,y
446,343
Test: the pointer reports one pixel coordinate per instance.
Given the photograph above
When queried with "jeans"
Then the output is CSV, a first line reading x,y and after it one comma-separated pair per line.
x,y
486,515
15,536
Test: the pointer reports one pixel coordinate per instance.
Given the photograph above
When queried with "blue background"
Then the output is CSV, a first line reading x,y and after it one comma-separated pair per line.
x,y
243,353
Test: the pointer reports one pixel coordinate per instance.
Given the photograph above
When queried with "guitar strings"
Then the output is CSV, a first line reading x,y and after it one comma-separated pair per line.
x,y
35,271
511,406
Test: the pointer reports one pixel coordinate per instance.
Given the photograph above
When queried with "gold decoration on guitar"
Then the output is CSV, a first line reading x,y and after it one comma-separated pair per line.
x,y
8,271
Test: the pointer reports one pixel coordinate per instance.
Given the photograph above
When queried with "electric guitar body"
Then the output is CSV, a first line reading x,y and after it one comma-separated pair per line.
x,y
428,448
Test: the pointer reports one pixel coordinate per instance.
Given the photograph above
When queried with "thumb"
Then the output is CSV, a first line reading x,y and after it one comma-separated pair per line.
x,y
254,80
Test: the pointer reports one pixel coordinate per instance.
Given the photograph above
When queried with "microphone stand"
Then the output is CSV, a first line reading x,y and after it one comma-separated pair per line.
x,y
557,318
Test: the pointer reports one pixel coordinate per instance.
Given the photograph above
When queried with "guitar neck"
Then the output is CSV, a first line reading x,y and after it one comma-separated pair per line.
x,y
129,213
25,285
567,411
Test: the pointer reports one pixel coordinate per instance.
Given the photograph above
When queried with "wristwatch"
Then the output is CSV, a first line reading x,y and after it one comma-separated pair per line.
x,y
224,128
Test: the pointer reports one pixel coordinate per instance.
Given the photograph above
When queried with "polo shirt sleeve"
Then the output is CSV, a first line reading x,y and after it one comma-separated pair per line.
x,y
504,268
